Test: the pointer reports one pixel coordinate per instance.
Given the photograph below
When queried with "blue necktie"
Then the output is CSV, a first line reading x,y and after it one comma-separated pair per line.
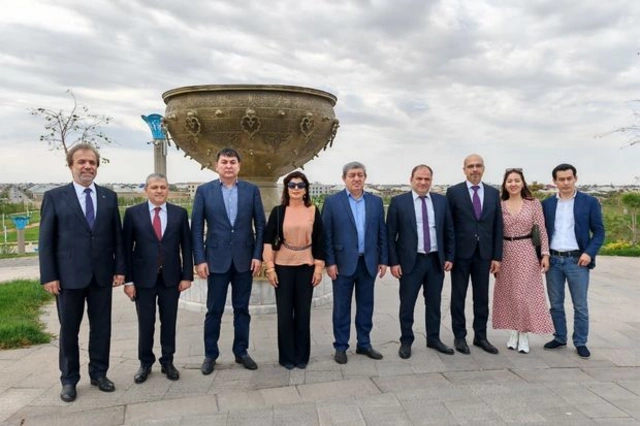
x,y
477,206
89,212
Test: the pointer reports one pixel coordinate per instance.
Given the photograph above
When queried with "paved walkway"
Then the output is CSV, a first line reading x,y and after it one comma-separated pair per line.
x,y
543,387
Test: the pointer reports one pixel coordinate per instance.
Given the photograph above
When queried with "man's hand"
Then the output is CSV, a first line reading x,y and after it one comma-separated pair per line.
x,y
130,291
52,287
118,280
495,267
584,260
256,266
396,271
184,285
202,269
448,266
332,271
382,269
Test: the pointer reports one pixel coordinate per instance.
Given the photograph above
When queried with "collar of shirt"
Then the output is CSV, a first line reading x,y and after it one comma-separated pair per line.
x,y
152,206
353,197
416,195
470,185
565,199
80,189
235,183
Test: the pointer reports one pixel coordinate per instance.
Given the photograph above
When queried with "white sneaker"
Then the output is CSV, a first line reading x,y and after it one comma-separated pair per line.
x,y
523,343
513,340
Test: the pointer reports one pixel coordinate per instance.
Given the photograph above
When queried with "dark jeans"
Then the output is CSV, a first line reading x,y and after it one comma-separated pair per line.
x,y
428,275
342,293
478,269
216,297
70,304
167,301
293,298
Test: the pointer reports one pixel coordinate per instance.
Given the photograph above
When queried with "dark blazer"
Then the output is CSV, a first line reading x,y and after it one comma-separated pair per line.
x,y
226,242
275,225
403,234
72,252
589,228
341,235
142,248
485,233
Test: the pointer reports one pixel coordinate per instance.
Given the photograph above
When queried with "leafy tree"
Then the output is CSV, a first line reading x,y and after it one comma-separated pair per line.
x,y
66,128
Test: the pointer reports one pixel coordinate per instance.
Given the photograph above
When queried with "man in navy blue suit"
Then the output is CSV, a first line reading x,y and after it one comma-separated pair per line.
x,y
477,221
356,251
81,259
576,232
157,241
421,250
231,253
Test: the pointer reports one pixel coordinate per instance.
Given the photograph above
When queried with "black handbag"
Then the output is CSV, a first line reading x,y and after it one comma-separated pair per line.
x,y
277,241
536,240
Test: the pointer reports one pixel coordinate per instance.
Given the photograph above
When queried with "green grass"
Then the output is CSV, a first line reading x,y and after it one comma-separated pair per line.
x,y
627,252
20,304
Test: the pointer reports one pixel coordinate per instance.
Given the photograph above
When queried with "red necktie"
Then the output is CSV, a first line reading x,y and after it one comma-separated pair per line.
x,y
157,227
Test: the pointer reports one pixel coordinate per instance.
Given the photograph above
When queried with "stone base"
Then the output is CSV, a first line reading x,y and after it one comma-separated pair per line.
x,y
263,296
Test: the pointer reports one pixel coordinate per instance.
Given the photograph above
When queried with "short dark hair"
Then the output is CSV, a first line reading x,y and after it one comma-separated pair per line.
x,y
82,146
525,192
421,166
563,167
228,152
285,192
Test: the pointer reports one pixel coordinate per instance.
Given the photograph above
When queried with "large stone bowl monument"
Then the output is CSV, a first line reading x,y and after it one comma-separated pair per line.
x,y
276,129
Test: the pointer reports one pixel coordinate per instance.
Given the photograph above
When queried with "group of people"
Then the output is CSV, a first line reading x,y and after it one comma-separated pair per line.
x,y
472,232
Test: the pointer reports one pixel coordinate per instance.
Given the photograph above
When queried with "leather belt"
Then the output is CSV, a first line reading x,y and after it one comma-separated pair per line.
x,y
522,237
572,253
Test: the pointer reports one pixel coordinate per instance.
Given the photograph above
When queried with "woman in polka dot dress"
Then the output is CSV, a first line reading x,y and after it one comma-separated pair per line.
x,y
519,298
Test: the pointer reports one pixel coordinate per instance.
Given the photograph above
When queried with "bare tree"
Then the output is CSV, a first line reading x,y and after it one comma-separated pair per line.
x,y
66,128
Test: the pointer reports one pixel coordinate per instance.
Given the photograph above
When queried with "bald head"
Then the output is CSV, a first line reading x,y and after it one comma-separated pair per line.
x,y
473,168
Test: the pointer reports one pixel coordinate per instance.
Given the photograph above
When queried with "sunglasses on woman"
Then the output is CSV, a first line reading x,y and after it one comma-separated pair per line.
x,y
294,185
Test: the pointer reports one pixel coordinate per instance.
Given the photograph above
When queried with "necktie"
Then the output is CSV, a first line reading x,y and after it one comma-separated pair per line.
x,y
89,211
426,235
477,206
157,226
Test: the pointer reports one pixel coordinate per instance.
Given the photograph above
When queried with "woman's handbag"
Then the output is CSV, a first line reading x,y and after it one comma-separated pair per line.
x,y
277,241
536,240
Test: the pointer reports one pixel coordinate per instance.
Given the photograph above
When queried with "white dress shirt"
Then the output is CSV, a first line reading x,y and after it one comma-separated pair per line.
x,y
417,205
564,234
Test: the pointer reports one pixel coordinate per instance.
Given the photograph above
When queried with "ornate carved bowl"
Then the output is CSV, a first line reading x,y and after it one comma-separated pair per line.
x,y
276,129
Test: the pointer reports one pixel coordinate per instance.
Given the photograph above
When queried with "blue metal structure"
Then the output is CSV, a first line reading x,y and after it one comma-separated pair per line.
x,y
154,121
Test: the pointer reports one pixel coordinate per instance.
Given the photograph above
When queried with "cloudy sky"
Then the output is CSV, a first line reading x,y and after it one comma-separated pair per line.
x,y
524,83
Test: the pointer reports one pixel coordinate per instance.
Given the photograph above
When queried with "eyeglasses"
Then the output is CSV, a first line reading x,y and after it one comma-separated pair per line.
x,y
298,185
514,169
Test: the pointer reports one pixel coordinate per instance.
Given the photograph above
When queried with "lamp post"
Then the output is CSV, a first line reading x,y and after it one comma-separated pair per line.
x,y
160,141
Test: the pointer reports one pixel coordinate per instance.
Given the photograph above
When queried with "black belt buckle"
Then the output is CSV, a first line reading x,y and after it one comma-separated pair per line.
x,y
572,253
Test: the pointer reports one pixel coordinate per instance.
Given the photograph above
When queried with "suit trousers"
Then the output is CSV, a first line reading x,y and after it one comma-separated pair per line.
x,y
342,294
218,285
477,269
428,275
70,304
167,302
293,299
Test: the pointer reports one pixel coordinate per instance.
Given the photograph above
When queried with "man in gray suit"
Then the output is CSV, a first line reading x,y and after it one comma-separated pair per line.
x,y
231,253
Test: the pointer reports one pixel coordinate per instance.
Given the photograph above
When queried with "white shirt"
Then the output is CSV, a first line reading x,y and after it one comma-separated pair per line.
x,y
417,205
480,192
564,234
162,214
82,197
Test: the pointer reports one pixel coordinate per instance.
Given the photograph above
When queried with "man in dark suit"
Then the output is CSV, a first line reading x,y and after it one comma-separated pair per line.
x,y
157,241
421,249
576,232
81,259
356,250
477,221
231,253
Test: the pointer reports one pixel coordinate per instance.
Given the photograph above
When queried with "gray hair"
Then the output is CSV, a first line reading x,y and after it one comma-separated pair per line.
x,y
353,165
82,146
155,176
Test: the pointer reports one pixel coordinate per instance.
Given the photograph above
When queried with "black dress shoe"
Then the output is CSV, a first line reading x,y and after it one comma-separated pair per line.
x,y
554,344
170,371
340,357
289,365
104,384
461,345
142,374
485,346
370,352
68,393
207,366
301,365
440,347
247,362
405,351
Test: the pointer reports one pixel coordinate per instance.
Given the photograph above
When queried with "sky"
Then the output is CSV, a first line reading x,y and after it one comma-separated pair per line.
x,y
527,84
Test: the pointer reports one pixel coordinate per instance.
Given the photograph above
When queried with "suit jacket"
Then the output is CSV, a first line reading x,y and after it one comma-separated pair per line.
x,y
403,234
485,233
226,242
69,250
341,235
589,228
143,249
